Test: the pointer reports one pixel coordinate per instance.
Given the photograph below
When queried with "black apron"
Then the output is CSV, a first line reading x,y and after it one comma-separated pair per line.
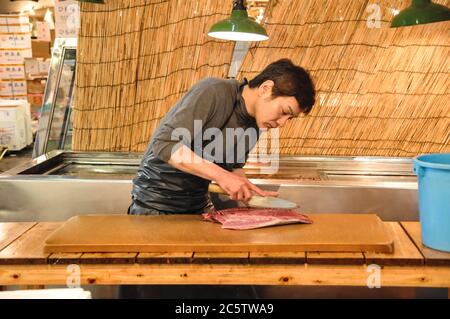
x,y
168,190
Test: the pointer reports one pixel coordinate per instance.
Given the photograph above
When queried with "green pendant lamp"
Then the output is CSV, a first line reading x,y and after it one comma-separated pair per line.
x,y
421,12
239,27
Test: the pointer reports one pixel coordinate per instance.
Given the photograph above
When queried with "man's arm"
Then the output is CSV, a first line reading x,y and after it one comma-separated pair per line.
x,y
201,104
238,187
239,172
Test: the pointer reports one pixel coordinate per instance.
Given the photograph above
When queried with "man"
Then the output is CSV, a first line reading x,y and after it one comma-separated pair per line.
x,y
176,170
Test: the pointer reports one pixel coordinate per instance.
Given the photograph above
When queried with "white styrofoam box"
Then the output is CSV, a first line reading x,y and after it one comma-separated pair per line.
x,y
15,124
13,87
12,71
26,109
7,113
12,136
14,28
14,56
15,41
10,109
13,19
63,293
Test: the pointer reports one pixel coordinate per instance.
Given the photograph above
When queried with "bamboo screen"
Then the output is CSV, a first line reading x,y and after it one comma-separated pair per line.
x,y
135,59
381,91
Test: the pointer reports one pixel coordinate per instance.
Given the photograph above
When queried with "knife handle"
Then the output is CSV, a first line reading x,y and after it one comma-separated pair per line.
x,y
214,188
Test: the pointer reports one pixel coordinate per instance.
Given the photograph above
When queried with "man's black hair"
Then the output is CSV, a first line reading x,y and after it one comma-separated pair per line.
x,y
289,80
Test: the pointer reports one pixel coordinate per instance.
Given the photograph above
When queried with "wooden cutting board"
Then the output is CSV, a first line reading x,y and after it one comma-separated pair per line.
x,y
181,233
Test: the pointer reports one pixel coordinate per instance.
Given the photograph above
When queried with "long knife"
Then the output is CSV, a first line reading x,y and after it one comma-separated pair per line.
x,y
259,201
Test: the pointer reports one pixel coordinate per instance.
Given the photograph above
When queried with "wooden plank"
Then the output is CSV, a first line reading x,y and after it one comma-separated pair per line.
x,y
181,233
277,258
64,258
32,287
432,257
29,247
11,231
223,274
108,258
164,258
405,252
220,258
327,258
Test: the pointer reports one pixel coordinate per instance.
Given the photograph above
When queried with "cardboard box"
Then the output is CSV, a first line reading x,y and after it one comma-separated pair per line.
x,y
14,28
12,71
44,66
40,49
15,124
15,41
43,31
35,101
36,86
36,68
12,56
13,19
15,97
13,87
31,66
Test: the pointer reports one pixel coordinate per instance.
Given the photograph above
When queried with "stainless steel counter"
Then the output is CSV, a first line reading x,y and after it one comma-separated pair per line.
x,y
61,184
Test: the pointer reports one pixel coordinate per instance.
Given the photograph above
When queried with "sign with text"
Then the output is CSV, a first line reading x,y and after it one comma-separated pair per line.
x,y
67,18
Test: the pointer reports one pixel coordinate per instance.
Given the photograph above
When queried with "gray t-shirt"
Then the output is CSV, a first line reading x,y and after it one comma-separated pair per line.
x,y
212,120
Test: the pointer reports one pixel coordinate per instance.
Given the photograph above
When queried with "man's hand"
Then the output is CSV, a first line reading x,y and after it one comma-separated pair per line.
x,y
236,185
240,188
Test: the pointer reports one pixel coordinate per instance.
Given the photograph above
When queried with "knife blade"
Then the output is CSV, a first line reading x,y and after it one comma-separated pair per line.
x,y
259,201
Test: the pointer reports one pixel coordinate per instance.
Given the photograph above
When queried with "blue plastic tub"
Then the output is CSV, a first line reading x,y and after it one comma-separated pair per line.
x,y
433,171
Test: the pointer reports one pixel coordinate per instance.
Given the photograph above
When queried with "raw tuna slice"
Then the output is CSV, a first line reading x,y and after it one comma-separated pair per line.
x,y
250,218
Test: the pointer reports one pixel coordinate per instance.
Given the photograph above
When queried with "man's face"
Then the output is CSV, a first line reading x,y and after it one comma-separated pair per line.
x,y
272,112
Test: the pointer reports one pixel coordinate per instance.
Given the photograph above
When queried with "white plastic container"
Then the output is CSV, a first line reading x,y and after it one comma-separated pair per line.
x,y
15,124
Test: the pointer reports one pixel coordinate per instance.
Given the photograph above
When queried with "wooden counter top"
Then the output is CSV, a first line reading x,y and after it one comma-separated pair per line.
x,y
23,262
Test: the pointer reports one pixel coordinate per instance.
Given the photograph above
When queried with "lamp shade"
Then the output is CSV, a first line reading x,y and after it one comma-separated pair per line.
x,y
421,12
239,27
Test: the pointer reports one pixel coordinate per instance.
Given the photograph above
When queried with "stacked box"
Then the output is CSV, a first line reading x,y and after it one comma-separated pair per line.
x,y
15,124
12,71
13,88
15,46
14,56
36,68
